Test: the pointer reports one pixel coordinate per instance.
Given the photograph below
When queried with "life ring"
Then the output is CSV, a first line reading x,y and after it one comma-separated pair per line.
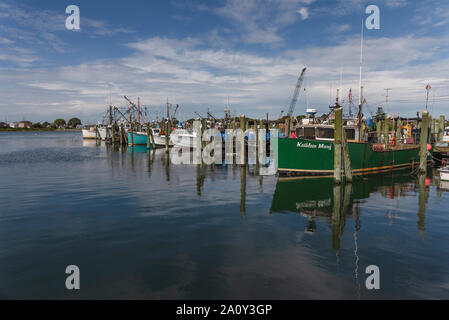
x,y
393,141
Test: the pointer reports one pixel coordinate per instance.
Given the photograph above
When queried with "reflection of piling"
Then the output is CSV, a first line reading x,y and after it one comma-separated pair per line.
x,y
424,140
97,134
167,167
199,180
422,202
339,213
338,124
243,190
336,218
151,156
113,134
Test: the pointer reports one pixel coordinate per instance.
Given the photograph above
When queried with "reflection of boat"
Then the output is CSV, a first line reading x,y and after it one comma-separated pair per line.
x,y
320,199
444,173
444,185
89,133
304,195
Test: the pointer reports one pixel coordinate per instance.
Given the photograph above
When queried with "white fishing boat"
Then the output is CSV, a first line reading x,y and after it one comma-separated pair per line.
x,y
183,138
444,173
89,133
159,138
446,135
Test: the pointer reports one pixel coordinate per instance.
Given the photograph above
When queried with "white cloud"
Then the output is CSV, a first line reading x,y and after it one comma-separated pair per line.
x,y
304,12
197,78
260,21
343,28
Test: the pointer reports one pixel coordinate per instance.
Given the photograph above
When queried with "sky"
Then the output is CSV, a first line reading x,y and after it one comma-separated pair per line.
x,y
202,54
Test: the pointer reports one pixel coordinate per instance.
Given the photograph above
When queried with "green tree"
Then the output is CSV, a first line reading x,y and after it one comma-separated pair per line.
x,y
74,122
37,125
60,122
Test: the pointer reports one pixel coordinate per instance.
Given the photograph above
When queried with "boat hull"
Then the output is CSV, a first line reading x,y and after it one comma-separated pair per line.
x,y
314,157
444,175
137,139
89,134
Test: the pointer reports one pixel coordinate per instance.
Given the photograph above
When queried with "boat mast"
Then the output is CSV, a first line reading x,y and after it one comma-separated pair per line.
x,y
361,67
138,109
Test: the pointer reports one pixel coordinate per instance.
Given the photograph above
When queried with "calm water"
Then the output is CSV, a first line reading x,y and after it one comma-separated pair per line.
x,y
139,228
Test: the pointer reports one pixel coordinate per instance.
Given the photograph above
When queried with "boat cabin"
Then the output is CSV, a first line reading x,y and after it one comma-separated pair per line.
x,y
325,132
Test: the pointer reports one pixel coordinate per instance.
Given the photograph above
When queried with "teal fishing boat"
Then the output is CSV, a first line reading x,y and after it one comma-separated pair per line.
x,y
138,139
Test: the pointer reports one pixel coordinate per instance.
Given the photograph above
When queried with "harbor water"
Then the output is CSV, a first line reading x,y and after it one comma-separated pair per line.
x,y
138,226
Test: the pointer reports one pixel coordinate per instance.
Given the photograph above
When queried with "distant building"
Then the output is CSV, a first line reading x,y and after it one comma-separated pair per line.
x,y
14,125
25,124
3,125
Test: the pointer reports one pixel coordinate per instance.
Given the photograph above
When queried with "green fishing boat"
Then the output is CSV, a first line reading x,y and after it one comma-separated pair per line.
x,y
312,153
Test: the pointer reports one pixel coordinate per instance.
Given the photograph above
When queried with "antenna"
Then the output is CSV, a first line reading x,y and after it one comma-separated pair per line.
x,y
361,64
341,78
387,101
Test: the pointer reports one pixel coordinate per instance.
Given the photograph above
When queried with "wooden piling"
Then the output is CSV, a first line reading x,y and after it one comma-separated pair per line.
x,y
148,137
399,132
167,137
122,135
346,158
132,135
441,128
150,133
386,130
423,142
338,126
242,145
379,131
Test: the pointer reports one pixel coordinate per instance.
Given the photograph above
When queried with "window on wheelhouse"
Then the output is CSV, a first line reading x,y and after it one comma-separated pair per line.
x,y
350,134
309,133
325,133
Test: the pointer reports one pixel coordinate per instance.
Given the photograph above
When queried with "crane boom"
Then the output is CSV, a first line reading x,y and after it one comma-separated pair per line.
x,y
130,102
296,93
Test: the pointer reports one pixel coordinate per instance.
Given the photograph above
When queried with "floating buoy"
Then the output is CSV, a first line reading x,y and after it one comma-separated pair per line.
x,y
429,147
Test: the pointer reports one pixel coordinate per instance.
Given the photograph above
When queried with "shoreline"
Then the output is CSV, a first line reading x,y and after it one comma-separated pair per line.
x,y
38,130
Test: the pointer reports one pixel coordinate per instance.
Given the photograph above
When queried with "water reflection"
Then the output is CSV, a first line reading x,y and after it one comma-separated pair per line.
x,y
319,198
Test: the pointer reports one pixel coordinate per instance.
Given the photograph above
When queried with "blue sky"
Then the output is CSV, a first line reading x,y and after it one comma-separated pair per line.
x,y
199,53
